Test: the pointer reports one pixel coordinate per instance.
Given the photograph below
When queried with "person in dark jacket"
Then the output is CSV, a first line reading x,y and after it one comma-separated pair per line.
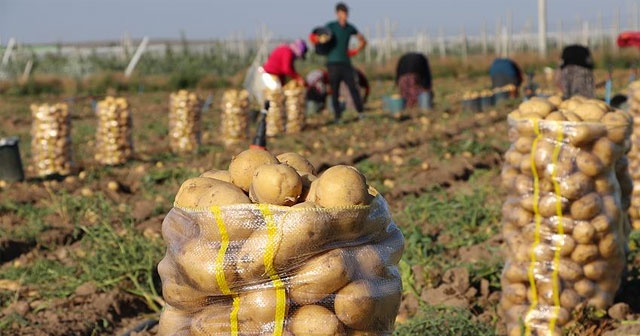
x,y
576,72
413,77
503,72
339,59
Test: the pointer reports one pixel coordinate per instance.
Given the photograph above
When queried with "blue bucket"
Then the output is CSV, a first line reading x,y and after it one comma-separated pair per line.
x,y
486,102
471,105
500,97
424,101
393,104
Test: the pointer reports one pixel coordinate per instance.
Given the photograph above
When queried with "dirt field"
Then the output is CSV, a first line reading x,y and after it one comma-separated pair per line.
x,y
79,258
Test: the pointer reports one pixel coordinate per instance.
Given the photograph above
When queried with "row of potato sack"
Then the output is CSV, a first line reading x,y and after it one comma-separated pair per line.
x,y
286,113
114,143
565,217
234,121
633,98
185,112
51,151
266,247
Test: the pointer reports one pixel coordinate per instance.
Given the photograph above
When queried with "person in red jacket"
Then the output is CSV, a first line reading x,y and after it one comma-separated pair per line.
x,y
281,61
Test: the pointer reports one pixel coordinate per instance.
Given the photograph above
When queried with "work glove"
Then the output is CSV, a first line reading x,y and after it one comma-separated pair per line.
x,y
352,52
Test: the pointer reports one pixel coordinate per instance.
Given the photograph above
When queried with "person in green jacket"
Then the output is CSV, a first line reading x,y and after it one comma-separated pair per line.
x,y
339,60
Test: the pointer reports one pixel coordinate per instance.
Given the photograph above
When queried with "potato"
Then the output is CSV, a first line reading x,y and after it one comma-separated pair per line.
x,y
586,207
607,151
565,243
306,179
173,322
315,320
543,153
297,161
554,223
366,305
277,184
590,112
239,224
576,185
610,246
604,184
541,108
569,270
197,261
546,291
584,253
320,276
242,166
516,293
601,224
548,205
584,232
556,116
543,314
214,319
222,175
523,184
596,270
516,271
202,193
523,145
618,126
258,308
581,135
569,299
311,193
176,291
571,117
513,158
341,186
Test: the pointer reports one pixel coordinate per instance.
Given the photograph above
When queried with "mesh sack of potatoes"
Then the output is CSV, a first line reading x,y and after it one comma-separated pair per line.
x,y
266,247
276,117
294,106
113,134
51,152
564,219
633,98
185,109
235,116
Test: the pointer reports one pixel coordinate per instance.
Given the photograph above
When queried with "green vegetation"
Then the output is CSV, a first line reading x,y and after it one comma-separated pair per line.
x,y
444,321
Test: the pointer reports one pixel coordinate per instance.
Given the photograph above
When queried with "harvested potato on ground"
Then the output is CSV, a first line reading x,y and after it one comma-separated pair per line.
x,y
315,320
222,175
341,186
320,276
277,184
243,165
297,161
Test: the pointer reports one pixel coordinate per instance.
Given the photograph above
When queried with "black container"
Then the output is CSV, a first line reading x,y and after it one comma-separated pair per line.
x,y
324,48
10,162
486,103
500,97
472,105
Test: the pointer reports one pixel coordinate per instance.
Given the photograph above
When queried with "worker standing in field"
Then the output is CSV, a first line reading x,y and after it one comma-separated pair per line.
x,y
503,72
318,89
339,59
413,77
576,72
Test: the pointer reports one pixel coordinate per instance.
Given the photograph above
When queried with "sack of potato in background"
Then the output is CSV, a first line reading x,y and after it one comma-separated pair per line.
x,y
294,106
276,117
633,98
235,116
185,109
564,220
114,144
51,152
266,247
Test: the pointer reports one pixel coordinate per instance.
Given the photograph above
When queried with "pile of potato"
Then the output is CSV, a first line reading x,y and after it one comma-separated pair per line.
x,y
276,117
51,152
235,116
294,107
268,247
633,99
113,135
564,220
185,110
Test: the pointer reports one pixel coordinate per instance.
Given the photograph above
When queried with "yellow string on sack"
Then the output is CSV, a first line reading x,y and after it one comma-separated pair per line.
x,y
538,222
269,256
219,268
555,283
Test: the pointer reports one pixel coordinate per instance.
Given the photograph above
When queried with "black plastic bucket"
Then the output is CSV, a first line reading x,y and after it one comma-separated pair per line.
x,y
486,103
10,163
471,105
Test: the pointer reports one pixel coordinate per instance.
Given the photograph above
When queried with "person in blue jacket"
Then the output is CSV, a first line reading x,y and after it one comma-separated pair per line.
x,y
505,71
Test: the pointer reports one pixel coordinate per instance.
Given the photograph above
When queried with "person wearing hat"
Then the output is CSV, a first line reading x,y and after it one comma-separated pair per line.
x,y
576,72
281,61
339,66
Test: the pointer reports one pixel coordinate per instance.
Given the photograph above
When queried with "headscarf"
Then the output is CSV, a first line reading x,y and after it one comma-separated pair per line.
x,y
299,48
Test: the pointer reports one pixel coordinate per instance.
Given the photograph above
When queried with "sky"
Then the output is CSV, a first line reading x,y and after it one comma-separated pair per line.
x,y
67,21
